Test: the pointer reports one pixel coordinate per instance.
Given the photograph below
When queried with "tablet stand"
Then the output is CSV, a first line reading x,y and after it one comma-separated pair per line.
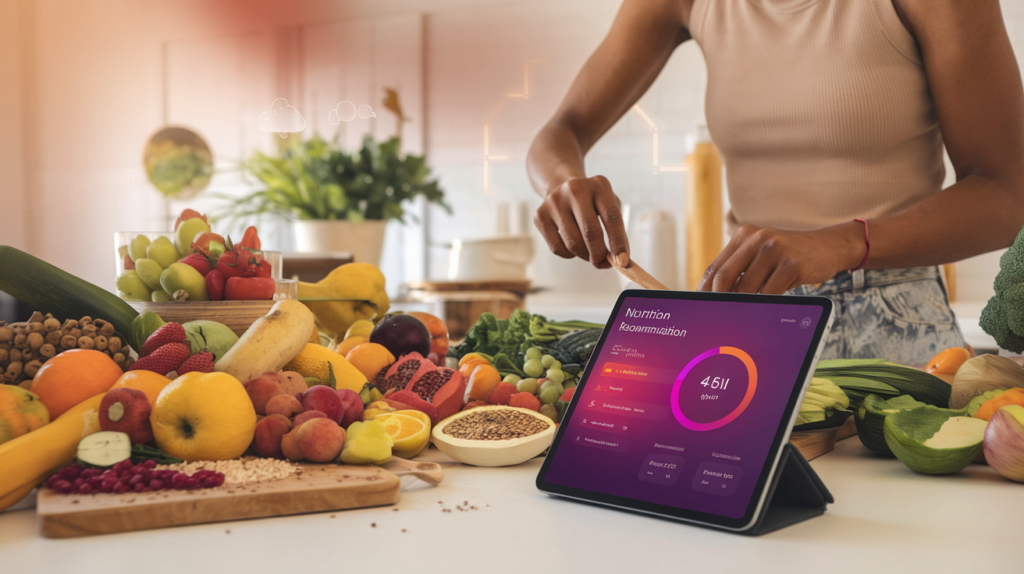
x,y
794,495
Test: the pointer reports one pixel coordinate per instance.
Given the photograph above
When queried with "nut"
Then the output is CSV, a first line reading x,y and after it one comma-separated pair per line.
x,y
85,321
68,342
27,355
51,325
86,343
36,317
53,337
20,328
15,355
35,340
76,333
20,341
89,330
107,329
14,368
119,358
101,342
114,344
32,367
3,355
47,351
36,328
69,324
6,334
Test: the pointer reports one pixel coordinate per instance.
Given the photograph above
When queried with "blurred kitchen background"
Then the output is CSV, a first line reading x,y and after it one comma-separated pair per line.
x,y
86,83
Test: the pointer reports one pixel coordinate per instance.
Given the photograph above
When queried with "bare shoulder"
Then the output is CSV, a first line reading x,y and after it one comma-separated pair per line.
x,y
923,17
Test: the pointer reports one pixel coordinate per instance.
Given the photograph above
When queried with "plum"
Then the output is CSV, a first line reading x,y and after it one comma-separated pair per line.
x,y
402,334
324,399
352,407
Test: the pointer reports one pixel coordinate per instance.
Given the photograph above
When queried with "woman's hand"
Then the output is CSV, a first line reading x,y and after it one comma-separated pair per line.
x,y
571,218
770,261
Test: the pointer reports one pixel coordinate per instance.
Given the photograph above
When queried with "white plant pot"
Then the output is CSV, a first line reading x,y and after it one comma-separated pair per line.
x,y
364,240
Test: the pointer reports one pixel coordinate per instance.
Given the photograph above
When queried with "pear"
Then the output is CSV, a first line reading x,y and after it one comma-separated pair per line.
x,y
137,248
184,277
149,271
132,287
163,252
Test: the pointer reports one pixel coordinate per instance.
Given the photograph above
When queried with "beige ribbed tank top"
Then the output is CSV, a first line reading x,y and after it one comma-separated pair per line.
x,y
821,109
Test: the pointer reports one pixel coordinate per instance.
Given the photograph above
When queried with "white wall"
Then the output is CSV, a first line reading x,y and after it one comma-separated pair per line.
x,y
92,94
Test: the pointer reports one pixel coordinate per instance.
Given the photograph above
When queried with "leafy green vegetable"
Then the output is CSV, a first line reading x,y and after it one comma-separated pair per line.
x,y
1003,316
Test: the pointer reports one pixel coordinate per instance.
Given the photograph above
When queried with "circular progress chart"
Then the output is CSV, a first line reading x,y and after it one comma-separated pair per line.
x,y
709,385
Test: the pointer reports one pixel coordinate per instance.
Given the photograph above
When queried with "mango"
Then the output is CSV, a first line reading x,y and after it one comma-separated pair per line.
x,y
367,442
21,412
211,336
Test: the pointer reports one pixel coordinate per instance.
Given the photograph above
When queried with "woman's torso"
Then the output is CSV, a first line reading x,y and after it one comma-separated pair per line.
x,y
821,109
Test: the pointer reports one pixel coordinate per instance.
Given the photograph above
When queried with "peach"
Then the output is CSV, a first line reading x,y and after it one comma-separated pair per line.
x,y
320,440
267,439
127,410
286,405
292,383
324,399
352,407
262,389
307,416
290,447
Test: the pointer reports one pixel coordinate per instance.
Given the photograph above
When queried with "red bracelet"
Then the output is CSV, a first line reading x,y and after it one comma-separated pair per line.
x,y
867,247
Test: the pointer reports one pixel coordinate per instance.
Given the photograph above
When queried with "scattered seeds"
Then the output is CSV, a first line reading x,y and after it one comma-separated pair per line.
x,y
240,471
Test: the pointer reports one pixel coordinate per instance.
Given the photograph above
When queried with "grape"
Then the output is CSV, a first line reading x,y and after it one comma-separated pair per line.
x,y
556,376
551,412
533,368
557,365
553,385
549,395
569,385
511,379
547,361
533,353
528,386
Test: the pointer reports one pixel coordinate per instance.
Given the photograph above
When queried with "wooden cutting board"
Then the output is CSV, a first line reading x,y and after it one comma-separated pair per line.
x,y
316,488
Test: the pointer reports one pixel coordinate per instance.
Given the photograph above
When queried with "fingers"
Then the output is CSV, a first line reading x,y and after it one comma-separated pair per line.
x,y
760,269
611,216
785,276
549,231
737,241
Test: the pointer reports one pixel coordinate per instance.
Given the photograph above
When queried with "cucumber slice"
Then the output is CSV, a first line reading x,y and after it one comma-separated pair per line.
x,y
104,449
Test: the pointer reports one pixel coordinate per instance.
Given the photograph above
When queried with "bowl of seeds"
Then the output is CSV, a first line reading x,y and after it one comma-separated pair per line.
x,y
494,435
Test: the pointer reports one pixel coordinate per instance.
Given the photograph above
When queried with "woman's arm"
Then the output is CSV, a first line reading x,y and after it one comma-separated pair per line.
x,y
976,86
641,40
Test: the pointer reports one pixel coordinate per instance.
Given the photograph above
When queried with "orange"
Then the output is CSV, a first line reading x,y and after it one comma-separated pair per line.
x,y
146,381
73,376
471,357
348,344
370,359
409,429
481,381
467,367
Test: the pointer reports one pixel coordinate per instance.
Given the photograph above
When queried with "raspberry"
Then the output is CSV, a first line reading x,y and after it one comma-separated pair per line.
x,y
120,487
62,486
139,487
85,489
156,484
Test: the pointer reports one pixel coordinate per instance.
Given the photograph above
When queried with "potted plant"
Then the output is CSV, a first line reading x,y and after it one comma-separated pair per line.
x,y
338,201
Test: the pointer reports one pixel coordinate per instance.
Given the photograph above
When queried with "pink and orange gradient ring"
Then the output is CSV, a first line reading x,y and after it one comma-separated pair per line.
x,y
678,386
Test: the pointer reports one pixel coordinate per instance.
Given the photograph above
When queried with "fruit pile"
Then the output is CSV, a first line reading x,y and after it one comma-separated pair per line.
x,y
547,389
167,350
25,347
199,266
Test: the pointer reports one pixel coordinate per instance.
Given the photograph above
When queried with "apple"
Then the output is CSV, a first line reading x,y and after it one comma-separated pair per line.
x,y
324,399
352,407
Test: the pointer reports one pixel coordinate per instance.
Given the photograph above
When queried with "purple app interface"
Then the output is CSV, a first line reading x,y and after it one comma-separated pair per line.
x,y
683,402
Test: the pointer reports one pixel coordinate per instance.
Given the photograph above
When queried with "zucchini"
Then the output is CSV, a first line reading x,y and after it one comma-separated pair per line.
x,y
48,289
920,385
870,420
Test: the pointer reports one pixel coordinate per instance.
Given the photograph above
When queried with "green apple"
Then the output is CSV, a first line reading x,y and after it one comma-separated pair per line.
x,y
160,296
132,287
149,271
188,230
163,252
137,248
184,277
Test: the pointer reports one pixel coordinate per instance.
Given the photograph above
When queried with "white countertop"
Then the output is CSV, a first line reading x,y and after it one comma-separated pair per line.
x,y
885,519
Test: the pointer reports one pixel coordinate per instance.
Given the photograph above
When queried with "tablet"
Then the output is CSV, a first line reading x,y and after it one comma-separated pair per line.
x,y
686,402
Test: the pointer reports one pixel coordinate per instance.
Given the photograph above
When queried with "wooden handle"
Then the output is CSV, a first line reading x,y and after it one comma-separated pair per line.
x,y
637,275
429,472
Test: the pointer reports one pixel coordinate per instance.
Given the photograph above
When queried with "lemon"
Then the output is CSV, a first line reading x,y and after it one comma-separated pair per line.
x,y
409,429
204,416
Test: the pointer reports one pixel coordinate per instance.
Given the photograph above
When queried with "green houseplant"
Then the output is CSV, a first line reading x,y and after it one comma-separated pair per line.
x,y
338,201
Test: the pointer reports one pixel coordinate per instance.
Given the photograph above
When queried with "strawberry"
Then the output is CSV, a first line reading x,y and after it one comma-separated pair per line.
x,y
163,360
169,333
200,362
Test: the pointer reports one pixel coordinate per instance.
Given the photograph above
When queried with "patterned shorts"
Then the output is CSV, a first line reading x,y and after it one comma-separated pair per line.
x,y
901,315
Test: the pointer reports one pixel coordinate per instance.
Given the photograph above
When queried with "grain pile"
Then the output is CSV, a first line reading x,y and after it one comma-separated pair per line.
x,y
239,471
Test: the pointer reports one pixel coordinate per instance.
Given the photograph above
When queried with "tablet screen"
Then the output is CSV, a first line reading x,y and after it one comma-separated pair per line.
x,y
683,401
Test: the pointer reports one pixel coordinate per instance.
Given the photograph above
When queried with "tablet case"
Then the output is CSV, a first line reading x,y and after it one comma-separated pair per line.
x,y
794,495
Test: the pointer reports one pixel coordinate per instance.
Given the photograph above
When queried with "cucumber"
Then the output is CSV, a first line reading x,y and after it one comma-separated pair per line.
x,y
920,385
104,449
48,289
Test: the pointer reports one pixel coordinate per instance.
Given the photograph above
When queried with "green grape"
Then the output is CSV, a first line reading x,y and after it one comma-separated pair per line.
x,y
551,412
533,368
549,395
547,361
569,385
554,385
533,353
557,365
528,386
511,379
556,376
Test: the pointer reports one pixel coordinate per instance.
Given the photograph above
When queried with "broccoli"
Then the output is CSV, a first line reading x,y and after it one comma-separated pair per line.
x,y
1003,316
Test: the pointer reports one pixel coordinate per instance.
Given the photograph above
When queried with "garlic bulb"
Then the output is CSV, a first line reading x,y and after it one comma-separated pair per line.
x,y
1004,442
